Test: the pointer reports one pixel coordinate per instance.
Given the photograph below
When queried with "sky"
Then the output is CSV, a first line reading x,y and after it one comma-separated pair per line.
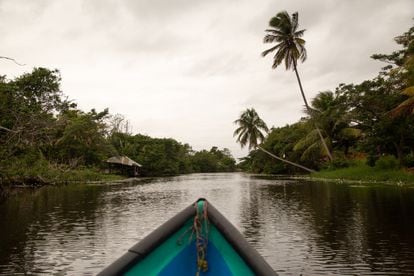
x,y
186,69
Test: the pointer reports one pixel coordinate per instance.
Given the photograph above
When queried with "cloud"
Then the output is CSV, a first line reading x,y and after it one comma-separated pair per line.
x,y
187,68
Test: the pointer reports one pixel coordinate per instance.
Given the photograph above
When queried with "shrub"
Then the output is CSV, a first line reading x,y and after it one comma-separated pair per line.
x,y
386,162
409,160
340,161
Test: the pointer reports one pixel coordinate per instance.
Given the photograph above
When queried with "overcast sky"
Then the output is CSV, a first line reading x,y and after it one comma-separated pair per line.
x,y
186,69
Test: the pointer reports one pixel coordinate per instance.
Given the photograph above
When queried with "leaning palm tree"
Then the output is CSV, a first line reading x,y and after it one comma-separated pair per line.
x,y
250,133
250,130
290,48
334,121
407,106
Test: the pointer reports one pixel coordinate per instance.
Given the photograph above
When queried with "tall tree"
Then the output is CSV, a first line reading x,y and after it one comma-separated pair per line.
x,y
404,58
330,112
27,107
250,130
290,48
250,133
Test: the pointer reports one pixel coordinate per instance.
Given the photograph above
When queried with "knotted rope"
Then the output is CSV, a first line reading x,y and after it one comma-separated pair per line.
x,y
201,238
199,230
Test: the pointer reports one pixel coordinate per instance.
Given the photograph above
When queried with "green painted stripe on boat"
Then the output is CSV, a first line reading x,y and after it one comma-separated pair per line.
x,y
154,263
156,252
234,261
163,254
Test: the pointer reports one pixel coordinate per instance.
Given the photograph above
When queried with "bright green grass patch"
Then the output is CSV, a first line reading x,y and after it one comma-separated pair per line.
x,y
362,172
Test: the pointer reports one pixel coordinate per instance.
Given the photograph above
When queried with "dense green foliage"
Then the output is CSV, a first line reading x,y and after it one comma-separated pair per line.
x,y
44,137
249,132
214,160
162,156
370,121
42,134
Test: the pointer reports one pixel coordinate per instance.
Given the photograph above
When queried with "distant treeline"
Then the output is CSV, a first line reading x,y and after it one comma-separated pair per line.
x,y
371,121
43,136
166,156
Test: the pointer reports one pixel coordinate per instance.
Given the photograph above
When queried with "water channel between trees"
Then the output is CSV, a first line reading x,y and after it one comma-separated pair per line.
x,y
299,227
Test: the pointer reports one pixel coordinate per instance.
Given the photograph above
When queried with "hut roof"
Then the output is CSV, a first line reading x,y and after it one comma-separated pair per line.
x,y
123,160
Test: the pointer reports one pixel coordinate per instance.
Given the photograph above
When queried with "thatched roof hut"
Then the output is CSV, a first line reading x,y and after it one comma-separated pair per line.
x,y
123,160
124,165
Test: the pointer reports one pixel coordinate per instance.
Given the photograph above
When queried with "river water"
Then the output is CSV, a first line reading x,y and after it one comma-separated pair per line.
x,y
300,227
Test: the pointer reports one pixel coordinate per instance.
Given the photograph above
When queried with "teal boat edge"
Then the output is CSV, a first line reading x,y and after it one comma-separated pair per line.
x,y
175,248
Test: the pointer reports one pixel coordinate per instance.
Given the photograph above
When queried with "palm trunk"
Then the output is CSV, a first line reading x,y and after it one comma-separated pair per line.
x,y
286,161
328,152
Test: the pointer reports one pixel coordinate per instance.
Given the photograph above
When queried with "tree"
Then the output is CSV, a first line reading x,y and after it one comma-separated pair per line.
x,y
166,156
281,141
370,103
250,133
27,108
80,139
250,129
290,48
330,112
407,106
404,58
384,105
119,124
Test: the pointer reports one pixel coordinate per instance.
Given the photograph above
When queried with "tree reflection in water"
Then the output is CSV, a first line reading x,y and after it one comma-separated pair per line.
x,y
298,226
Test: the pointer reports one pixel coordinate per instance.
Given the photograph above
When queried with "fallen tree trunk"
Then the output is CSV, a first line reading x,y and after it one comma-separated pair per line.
x,y
286,161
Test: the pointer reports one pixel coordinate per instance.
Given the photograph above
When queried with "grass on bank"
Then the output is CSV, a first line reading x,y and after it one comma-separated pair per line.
x,y
42,173
362,172
86,174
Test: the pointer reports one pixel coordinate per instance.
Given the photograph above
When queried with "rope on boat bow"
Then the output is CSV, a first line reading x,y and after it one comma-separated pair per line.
x,y
201,237
199,229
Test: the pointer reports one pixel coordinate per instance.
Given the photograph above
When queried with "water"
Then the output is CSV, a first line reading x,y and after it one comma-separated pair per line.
x,y
299,227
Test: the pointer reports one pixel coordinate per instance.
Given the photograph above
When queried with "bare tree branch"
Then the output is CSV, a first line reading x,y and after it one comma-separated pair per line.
x,y
12,59
6,129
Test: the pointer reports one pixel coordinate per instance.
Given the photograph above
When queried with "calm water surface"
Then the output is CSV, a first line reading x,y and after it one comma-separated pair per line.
x,y
300,227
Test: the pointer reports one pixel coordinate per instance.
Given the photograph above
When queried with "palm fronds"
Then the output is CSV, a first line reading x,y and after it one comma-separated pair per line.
x,y
290,47
250,130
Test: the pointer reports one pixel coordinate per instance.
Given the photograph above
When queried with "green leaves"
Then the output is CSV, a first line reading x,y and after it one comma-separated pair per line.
x,y
290,47
166,156
311,146
250,129
365,120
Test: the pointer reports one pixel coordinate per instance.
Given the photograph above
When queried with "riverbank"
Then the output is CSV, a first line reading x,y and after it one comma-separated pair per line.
x,y
55,177
365,173
33,178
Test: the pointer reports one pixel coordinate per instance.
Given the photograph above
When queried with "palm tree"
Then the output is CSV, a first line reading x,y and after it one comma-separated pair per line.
x,y
290,48
250,130
331,115
250,133
407,106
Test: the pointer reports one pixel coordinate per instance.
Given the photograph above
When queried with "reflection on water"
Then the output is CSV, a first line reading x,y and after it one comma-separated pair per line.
x,y
299,227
